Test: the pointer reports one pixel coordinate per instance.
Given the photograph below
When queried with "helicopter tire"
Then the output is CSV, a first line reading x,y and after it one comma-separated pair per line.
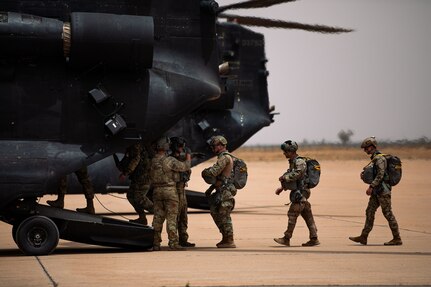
x,y
37,235
14,230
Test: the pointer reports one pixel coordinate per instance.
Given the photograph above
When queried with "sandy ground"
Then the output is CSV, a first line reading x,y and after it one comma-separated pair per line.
x,y
338,204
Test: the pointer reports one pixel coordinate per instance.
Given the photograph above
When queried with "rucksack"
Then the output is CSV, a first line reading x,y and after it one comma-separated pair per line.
x,y
393,170
239,171
313,172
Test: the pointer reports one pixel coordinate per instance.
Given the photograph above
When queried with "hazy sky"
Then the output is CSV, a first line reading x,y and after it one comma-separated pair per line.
x,y
374,81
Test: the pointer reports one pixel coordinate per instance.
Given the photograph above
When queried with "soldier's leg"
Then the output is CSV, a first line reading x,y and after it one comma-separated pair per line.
x,y
309,220
140,190
171,209
370,213
307,214
158,219
87,188
61,192
182,216
292,215
225,210
385,202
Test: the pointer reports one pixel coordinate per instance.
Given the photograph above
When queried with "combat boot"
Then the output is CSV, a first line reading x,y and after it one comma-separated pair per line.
x,y
283,241
156,247
360,239
88,209
187,244
176,247
229,243
59,202
394,241
142,219
222,241
312,242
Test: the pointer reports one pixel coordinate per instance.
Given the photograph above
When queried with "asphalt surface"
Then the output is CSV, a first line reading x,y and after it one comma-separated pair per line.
x,y
338,205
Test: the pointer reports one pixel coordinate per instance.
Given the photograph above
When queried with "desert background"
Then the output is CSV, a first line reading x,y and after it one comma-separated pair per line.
x,y
338,204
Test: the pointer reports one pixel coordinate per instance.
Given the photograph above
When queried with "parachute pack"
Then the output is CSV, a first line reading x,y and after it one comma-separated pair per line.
x,y
313,172
240,173
393,170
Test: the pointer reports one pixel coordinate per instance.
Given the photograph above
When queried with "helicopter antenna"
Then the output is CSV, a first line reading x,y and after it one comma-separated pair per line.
x,y
252,4
270,23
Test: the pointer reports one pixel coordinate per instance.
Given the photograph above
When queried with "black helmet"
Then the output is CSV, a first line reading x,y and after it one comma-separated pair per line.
x,y
177,142
289,145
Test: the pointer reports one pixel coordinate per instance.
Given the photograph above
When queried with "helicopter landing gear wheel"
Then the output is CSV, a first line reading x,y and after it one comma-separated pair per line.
x,y
37,235
14,230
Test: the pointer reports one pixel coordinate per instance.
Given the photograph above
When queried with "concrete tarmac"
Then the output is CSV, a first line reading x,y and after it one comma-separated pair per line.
x,y
338,205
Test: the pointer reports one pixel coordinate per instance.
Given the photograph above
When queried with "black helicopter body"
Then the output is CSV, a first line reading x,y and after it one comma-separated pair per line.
x,y
81,80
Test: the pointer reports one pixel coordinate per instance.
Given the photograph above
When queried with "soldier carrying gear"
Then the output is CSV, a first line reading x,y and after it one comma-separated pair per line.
x,y
222,200
298,195
164,176
380,195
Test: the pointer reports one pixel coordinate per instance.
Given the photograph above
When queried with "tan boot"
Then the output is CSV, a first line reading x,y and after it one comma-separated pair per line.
x,y
88,209
59,202
283,241
394,241
360,239
176,247
222,241
229,243
311,242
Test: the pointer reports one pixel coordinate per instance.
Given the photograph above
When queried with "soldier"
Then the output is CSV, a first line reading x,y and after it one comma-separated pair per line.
x,y
136,165
164,175
293,179
87,187
179,151
222,200
379,192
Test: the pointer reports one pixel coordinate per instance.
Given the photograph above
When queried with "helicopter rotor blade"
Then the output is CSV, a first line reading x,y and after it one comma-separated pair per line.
x,y
271,23
252,4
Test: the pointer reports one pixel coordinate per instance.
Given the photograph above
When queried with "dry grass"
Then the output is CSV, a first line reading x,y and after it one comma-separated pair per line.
x,y
331,153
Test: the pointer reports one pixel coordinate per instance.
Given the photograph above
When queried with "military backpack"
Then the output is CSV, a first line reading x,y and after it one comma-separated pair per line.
x,y
239,172
393,171
312,177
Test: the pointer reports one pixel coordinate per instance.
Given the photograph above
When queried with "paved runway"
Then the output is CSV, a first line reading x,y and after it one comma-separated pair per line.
x,y
338,204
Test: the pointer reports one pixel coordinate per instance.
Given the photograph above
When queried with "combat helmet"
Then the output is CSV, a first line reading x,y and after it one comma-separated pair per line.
x,y
218,140
163,143
369,141
289,145
177,142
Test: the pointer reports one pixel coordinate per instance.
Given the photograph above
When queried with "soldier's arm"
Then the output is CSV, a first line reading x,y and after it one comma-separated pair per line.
x,y
135,155
380,165
177,165
218,167
297,173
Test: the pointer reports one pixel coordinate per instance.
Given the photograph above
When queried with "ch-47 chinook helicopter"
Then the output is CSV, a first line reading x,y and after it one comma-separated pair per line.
x,y
81,80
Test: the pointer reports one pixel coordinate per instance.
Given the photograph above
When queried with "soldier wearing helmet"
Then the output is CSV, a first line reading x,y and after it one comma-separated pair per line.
x,y
293,180
180,151
222,200
379,192
164,174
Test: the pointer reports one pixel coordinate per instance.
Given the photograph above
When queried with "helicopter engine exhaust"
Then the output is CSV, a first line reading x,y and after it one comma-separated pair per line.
x,y
83,41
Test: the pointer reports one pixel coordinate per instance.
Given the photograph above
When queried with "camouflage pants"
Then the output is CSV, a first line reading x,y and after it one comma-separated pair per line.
x,y
182,221
165,207
137,196
304,209
220,212
385,202
84,180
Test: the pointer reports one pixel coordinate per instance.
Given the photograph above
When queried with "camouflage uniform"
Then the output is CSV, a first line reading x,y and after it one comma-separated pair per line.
x,y
222,201
381,196
298,197
136,165
164,176
182,222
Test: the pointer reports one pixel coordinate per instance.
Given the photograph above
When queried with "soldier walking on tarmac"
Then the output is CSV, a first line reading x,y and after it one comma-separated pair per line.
x,y
222,200
293,180
87,187
164,174
379,192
